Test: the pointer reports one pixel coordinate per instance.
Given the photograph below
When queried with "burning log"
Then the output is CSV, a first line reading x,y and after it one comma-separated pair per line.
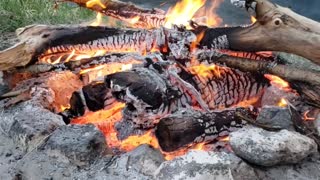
x,y
247,65
127,12
54,44
188,126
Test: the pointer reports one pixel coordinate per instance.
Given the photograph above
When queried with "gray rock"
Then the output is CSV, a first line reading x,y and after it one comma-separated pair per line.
x,y
306,170
81,144
273,95
205,165
276,117
144,159
266,148
139,164
28,124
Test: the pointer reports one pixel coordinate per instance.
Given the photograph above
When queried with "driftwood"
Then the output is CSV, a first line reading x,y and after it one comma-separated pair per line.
x,y
278,29
188,126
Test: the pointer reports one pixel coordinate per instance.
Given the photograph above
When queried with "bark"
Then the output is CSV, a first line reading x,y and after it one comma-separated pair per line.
x,y
137,16
276,29
186,127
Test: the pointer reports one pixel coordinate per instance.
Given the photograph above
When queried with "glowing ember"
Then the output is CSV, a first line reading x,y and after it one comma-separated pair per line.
x,y
283,103
134,20
307,118
224,139
205,71
172,155
278,82
183,12
134,141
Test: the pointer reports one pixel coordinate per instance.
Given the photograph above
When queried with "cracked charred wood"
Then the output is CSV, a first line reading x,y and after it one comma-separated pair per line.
x,y
310,93
291,74
137,16
222,87
187,127
54,44
151,94
92,97
276,29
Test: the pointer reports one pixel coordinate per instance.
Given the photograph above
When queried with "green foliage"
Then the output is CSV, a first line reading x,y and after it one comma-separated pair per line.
x,y
19,13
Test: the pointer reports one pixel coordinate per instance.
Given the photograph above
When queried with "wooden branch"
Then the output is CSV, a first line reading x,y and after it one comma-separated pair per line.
x,y
277,29
137,16
186,127
283,71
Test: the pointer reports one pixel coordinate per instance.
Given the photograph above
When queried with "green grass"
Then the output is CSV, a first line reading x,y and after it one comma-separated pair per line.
x,y
19,13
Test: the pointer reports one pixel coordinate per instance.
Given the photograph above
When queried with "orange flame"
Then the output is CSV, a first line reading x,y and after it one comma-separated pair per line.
x,y
282,103
278,82
183,12
98,20
205,70
253,19
92,3
207,14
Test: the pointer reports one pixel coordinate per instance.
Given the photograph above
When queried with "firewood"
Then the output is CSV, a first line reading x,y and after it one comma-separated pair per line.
x,y
286,72
278,29
137,16
187,126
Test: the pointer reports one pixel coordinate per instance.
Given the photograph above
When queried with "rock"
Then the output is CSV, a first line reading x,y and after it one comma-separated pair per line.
x,y
198,164
69,152
273,95
144,159
266,148
276,117
140,164
28,124
9,155
306,170
81,144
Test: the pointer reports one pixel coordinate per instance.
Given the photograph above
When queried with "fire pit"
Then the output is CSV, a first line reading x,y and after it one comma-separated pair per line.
x,y
170,96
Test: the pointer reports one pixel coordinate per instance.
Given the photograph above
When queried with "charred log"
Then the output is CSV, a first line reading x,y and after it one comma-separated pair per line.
x,y
137,16
188,126
54,44
286,72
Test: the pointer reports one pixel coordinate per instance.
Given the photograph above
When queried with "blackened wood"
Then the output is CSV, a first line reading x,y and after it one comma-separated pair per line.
x,y
144,18
283,71
189,126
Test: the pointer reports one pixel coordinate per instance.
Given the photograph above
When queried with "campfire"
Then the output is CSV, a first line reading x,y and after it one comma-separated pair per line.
x,y
175,81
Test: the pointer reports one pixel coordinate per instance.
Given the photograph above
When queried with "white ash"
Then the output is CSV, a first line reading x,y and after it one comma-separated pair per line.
x,y
266,148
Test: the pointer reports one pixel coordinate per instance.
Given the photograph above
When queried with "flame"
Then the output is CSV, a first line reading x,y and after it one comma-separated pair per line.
x,y
180,152
282,103
207,14
134,141
98,20
306,117
253,19
183,12
225,139
134,20
92,3
205,70
278,82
